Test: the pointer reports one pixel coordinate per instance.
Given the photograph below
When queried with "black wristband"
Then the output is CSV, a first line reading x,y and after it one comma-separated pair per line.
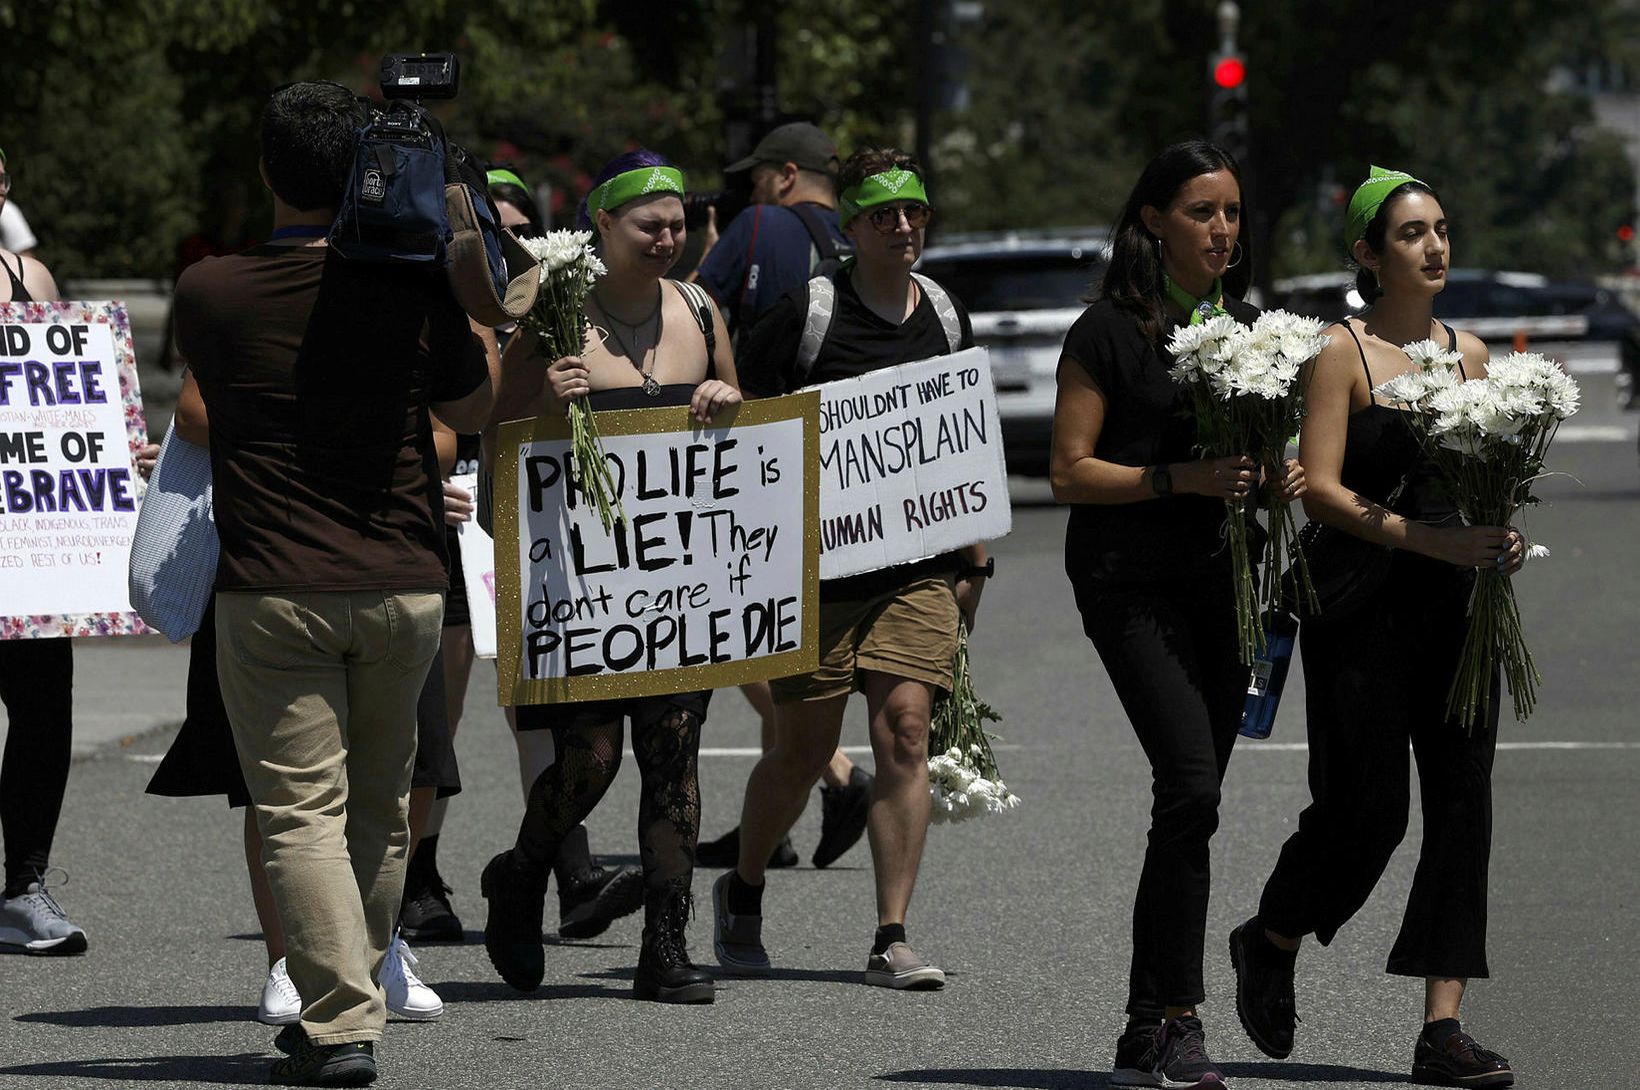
x,y
1161,480
987,569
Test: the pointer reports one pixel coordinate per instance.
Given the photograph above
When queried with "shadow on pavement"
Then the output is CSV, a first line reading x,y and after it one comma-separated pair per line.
x,y
1027,1078
1278,1071
245,1068
495,991
135,1017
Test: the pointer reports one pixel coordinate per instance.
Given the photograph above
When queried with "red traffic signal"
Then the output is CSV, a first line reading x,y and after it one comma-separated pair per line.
x,y
1625,233
1229,72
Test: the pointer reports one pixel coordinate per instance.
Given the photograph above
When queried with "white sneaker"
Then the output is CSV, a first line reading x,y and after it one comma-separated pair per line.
x,y
407,996
280,1004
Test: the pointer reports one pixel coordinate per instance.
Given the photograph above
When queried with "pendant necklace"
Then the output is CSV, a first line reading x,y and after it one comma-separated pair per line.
x,y
650,386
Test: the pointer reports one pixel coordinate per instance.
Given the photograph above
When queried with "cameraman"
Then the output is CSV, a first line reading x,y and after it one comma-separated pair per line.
x,y
318,375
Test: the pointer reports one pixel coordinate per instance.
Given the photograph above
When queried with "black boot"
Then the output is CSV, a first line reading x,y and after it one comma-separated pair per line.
x,y
665,973
512,933
590,896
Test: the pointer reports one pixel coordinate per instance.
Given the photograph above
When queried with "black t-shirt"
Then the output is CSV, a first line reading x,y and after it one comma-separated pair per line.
x,y
1147,422
858,341
317,374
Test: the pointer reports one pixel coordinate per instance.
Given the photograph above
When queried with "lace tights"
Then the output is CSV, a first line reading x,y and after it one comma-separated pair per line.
x,y
666,743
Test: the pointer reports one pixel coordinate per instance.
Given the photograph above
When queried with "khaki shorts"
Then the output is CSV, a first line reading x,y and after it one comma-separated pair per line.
x,y
909,632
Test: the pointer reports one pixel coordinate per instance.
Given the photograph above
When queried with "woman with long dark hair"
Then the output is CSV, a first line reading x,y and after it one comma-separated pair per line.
x,y
1152,577
1376,676
650,342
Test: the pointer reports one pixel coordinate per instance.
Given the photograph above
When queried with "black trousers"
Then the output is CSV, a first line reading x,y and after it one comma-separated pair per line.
x,y
1375,681
37,686
1170,650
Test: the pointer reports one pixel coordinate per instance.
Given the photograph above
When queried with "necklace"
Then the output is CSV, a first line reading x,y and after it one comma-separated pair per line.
x,y
650,386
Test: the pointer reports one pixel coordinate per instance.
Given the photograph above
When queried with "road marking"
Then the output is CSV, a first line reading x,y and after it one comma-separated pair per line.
x,y
1298,747
145,758
1595,433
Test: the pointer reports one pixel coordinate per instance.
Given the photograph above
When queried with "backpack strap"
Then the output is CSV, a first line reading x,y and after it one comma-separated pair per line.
x,y
944,308
700,305
825,246
816,324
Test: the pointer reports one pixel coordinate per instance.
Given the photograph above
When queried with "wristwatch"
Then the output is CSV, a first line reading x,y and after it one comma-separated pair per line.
x,y
1161,480
987,569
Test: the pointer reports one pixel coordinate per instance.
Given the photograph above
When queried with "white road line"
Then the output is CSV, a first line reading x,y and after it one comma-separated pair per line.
x,y
1595,433
1299,747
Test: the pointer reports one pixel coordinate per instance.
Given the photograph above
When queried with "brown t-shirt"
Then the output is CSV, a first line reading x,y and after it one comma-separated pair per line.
x,y
317,373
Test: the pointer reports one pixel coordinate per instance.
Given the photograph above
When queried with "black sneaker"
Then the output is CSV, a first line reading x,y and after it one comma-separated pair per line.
x,y
843,813
425,914
725,852
512,933
1138,1052
1458,1061
1264,991
1183,1063
308,1064
595,898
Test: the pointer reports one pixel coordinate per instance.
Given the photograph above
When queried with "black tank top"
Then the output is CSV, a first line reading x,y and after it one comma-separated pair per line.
x,y
1382,455
19,294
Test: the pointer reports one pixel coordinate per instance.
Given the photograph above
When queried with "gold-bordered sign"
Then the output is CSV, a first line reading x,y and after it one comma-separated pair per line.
x,y
514,443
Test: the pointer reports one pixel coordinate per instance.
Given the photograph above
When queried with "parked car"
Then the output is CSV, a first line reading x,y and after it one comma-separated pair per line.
x,y
1022,290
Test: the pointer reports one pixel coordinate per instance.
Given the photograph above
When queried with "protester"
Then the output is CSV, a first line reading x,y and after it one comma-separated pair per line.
x,y
890,634
591,895
37,688
202,760
1153,582
1376,677
15,236
768,250
647,345
318,375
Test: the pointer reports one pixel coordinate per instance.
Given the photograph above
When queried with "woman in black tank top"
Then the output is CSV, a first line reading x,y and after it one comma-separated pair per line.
x,y
650,342
1376,679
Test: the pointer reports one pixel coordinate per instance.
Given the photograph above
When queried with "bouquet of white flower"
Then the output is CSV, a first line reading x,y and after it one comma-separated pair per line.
x,y
1244,388
1487,439
568,270
962,776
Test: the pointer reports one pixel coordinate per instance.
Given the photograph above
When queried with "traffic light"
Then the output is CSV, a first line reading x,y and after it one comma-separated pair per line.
x,y
1227,104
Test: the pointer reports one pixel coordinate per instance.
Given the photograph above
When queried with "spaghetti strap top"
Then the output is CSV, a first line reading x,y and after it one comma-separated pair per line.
x,y
1451,344
19,293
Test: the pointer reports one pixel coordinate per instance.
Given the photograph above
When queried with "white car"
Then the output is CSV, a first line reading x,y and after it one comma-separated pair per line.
x,y
1023,290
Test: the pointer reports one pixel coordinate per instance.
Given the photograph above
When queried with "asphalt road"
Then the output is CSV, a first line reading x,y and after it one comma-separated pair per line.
x,y
1028,912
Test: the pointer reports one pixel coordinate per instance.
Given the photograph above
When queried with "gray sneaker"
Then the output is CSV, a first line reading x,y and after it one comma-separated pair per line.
x,y
737,940
34,924
900,967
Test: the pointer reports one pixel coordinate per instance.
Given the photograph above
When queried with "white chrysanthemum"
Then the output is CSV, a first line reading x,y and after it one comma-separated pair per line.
x,y
1407,388
1428,355
1537,552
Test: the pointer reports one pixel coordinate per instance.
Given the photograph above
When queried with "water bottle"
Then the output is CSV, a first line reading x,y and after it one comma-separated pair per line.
x,y
1258,715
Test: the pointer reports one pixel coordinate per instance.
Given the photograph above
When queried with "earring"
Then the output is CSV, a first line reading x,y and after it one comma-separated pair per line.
x,y
1158,240
1236,254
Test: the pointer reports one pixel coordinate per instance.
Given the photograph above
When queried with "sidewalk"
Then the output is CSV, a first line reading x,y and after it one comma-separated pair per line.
x,y
124,687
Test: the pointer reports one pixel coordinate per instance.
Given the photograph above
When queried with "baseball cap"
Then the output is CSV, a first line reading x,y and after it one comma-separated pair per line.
x,y
797,142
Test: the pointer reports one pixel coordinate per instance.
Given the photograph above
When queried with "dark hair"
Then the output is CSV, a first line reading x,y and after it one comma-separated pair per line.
x,y
630,160
309,131
1366,283
518,197
874,160
1133,279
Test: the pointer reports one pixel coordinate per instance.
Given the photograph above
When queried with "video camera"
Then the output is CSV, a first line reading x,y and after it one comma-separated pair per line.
x,y
420,75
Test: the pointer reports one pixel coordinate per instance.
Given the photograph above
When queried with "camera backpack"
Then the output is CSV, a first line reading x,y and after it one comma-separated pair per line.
x,y
415,197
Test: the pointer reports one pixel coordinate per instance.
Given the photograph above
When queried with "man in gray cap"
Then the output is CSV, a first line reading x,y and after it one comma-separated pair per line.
x,y
788,235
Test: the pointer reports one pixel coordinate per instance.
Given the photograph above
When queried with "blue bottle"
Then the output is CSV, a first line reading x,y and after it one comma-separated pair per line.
x,y
1258,715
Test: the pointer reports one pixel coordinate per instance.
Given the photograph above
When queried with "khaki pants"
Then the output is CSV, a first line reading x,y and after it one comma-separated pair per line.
x,y
321,690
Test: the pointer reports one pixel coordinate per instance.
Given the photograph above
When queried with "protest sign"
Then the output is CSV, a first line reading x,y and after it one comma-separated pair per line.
x,y
911,464
70,423
477,573
711,581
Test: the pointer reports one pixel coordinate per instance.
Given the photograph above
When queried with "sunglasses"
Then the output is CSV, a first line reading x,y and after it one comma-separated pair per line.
x,y
887,218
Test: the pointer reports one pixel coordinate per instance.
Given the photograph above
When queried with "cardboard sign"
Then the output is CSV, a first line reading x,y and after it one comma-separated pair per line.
x,y
70,424
477,573
712,581
911,464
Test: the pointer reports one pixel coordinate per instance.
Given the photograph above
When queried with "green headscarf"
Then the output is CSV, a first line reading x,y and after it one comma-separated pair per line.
x,y
503,176
632,185
1369,198
884,188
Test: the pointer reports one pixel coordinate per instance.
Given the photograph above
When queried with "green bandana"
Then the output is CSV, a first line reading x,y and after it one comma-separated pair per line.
x,y
890,185
1199,309
632,185
1369,198
503,176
